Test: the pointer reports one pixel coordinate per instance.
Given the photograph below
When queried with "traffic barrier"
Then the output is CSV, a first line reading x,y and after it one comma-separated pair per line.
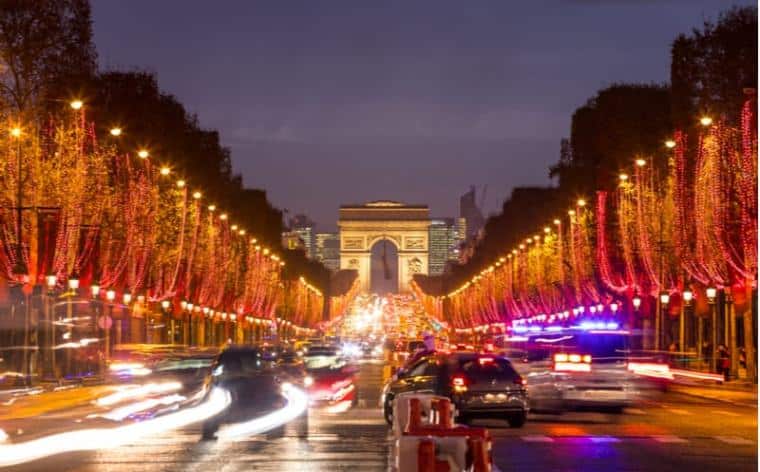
x,y
440,429
450,453
481,461
401,410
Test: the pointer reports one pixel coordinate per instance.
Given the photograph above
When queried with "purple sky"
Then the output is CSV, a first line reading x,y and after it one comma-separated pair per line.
x,y
331,102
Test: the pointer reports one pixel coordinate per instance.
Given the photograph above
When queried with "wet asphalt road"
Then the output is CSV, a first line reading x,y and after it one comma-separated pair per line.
x,y
665,432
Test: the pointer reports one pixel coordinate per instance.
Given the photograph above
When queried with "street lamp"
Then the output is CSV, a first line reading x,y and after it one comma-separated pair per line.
x,y
705,121
670,144
688,296
636,302
165,171
641,162
143,154
613,307
116,131
110,295
73,284
95,290
76,104
664,298
712,293
127,298
51,281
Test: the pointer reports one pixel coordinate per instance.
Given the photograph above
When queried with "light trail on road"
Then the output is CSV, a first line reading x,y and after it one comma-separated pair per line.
x,y
298,402
102,438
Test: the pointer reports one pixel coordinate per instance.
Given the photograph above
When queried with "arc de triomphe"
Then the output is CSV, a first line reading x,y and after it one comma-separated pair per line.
x,y
404,226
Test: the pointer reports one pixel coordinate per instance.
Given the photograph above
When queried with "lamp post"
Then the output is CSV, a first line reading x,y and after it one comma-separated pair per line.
x,y
687,296
165,305
51,281
19,267
664,300
712,292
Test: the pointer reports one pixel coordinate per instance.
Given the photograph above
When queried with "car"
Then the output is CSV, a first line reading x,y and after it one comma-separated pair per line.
x,y
330,380
479,386
576,369
251,381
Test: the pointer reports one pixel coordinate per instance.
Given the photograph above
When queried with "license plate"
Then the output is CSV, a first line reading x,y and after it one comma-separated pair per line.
x,y
494,398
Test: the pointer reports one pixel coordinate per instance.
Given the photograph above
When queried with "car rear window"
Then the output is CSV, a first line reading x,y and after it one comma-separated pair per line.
x,y
487,368
415,345
241,362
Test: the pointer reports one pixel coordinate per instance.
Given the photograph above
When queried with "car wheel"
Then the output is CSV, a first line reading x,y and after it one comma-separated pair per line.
x,y
517,420
208,430
388,410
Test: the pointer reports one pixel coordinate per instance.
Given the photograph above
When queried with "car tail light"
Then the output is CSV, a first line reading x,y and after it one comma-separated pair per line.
x,y
459,383
572,363
520,381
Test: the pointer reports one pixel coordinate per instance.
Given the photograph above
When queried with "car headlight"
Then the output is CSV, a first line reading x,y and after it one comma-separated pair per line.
x,y
308,381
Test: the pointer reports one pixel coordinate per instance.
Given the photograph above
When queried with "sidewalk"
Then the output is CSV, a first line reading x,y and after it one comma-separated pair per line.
x,y
731,392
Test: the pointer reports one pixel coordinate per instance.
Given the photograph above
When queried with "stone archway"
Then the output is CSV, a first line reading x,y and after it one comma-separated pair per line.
x,y
406,226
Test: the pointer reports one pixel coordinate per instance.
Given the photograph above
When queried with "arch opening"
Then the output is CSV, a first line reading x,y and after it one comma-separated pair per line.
x,y
384,267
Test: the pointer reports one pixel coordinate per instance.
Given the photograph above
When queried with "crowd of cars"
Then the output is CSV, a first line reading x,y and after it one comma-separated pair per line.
x,y
505,377
541,371
254,375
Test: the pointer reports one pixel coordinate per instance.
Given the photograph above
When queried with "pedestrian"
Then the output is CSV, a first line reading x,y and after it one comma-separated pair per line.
x,y
724,362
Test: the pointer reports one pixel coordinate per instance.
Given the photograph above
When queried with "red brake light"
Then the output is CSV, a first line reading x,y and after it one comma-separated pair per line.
x,y
520,381
459,383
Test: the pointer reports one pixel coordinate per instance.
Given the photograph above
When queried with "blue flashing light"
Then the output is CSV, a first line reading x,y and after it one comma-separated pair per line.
x,y
520,329
587,325
611,325
554,328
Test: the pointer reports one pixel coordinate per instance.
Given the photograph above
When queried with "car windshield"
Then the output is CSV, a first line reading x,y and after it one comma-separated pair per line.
x,y
240,362
323,357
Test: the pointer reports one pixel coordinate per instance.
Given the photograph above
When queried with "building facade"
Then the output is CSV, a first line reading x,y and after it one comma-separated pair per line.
x,y
327,250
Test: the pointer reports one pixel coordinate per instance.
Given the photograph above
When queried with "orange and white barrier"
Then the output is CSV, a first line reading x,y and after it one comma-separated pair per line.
x,y
454,447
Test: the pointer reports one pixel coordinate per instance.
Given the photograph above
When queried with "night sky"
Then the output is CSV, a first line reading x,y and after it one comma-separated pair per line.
x,y
331,102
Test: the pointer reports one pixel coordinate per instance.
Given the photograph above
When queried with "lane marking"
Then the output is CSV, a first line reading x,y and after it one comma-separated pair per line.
x,y
727,413
604,439
736,440
635,411
678,411
669,439
537,438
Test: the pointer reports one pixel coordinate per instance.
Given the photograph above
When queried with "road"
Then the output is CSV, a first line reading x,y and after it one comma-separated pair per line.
x,y
665,432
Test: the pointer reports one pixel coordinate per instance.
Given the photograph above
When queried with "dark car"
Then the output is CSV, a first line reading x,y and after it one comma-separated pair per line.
x,y
251,381
479,385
